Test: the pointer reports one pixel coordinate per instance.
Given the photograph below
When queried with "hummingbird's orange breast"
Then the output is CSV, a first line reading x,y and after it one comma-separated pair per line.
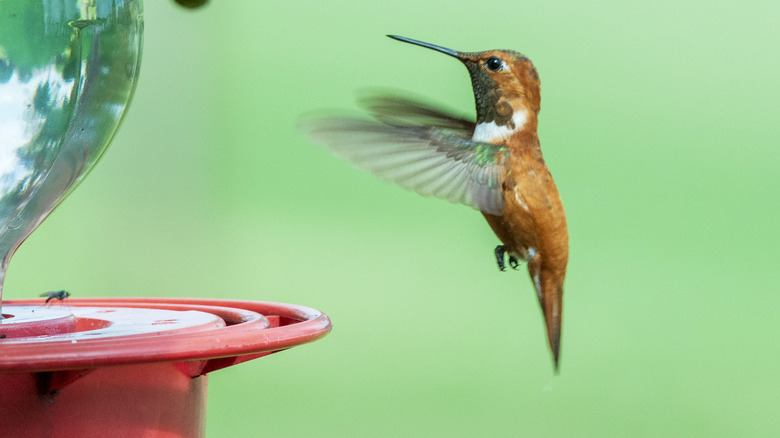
x,y
533,220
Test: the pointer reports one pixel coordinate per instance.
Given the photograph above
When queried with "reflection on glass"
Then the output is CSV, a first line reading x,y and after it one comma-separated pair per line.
x,y
68,69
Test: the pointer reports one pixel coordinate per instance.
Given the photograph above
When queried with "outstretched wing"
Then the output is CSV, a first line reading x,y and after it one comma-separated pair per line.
x,y
437,158
396,110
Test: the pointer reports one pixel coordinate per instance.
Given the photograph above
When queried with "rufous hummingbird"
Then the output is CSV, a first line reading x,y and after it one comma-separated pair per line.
x,y
494,165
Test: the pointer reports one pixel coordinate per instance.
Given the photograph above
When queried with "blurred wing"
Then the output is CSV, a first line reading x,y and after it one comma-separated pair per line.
x,y
431,160
405,111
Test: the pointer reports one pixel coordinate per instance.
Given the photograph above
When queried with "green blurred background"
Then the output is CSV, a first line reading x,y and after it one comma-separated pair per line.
x,y
659,121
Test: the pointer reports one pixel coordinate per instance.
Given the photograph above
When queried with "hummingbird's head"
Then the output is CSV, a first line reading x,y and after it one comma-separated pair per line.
x,y
506,88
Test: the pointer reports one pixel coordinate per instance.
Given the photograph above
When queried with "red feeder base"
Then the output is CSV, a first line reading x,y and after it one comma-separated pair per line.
x,y
131,367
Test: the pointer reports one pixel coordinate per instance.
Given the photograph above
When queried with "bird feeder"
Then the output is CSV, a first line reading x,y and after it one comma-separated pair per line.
x,y
131,367
99,367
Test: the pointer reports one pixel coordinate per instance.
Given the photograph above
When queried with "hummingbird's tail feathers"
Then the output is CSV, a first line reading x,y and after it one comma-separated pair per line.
x,y
550,294
428,160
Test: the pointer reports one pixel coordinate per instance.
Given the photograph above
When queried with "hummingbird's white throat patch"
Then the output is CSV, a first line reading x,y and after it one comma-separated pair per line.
x,y
491,132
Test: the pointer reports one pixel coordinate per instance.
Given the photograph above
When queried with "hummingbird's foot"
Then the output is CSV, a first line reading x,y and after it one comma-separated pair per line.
x,y
500,251
513,262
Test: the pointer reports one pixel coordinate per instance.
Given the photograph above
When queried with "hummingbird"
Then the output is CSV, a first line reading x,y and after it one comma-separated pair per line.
x,y
494,165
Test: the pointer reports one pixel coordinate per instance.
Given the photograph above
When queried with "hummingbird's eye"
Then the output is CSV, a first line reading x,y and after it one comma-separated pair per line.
x,y
494,64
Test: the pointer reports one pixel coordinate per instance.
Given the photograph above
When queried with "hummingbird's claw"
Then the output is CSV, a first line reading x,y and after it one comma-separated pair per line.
x,y
513,262
500,251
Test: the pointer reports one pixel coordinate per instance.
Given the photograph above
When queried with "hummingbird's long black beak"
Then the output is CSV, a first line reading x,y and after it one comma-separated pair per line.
x,y
441,49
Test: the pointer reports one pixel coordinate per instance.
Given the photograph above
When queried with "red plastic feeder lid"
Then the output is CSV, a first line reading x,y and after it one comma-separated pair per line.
x,y
203,334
